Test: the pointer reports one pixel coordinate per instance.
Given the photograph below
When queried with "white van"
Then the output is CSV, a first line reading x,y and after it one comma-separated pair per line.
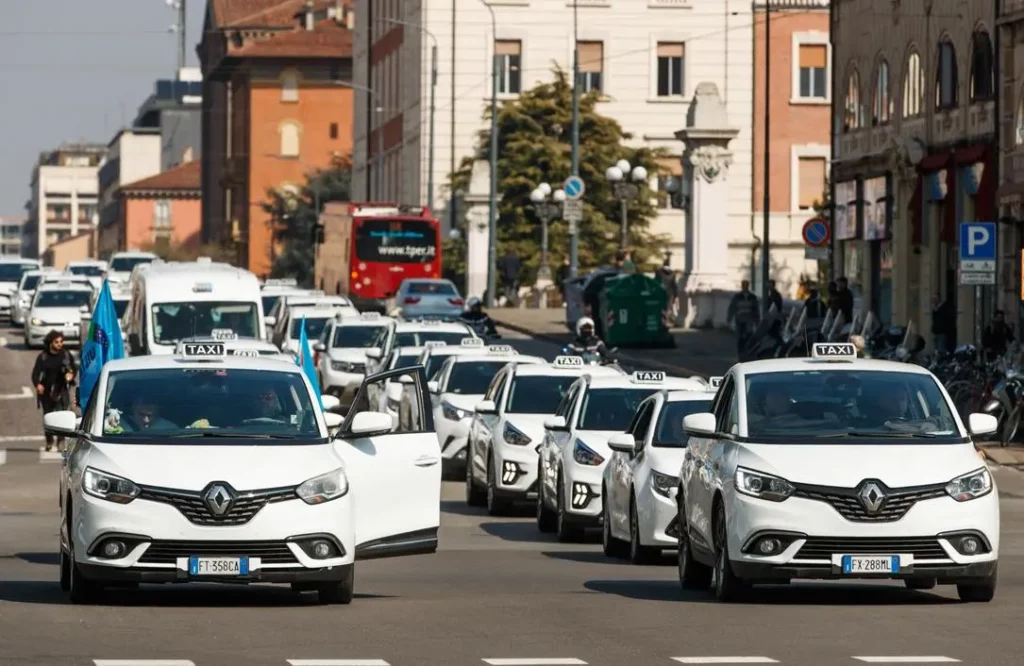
x,y
122,263
176,300
11,269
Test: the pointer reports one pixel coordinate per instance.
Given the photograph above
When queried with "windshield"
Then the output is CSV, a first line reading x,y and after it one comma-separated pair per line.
x,y
434,363
218,402
29,282
419,338
120,307
126,264
610,408
537,395
88,271
314,327
268,303
174,321
62,299
396,241
835,404
472,377
355,337
12,272
404,361
670,433
431,288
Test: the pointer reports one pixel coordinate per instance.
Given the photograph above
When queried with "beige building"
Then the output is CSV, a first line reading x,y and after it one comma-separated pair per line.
x,y
64,196
913,139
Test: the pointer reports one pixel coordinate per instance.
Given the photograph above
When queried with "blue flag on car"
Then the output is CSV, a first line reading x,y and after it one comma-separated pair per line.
x,y
305,360
103,343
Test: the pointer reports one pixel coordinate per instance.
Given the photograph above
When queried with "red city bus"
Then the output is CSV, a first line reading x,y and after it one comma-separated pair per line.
x,y
369,248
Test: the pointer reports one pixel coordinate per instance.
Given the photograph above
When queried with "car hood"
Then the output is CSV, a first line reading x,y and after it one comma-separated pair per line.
x,y
846,466
464,402
192,467
8,287
531,425
666,460
346,355
58,315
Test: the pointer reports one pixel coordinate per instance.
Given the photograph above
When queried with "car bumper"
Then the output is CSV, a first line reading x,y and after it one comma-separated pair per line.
x,y
108,574
658,517
516,471
757,572
818,538
18,315
583,492
342,385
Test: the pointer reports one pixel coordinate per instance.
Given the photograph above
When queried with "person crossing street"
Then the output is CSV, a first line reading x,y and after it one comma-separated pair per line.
x,y
53,375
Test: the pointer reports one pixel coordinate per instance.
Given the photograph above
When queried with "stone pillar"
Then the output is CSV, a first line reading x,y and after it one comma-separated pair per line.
x,y
706,161
477,201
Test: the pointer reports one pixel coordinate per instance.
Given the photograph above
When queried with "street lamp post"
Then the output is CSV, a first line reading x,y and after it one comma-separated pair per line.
x,y
574,237
433,105
546,211
625,190
492,216
378,163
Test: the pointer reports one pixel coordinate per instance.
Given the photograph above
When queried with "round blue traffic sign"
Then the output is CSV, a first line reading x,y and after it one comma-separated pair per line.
x,y
816,232
573,187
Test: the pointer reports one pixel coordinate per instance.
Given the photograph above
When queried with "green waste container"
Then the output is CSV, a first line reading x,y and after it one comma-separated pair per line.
x,y
635,312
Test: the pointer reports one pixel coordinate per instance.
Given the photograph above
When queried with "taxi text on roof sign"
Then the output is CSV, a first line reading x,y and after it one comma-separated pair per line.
x,y
472,342
714,382
430,322
202,349
246,352
223,334
370,316
430,344
648,377
836,351
202,287
501,349
568,361
281,282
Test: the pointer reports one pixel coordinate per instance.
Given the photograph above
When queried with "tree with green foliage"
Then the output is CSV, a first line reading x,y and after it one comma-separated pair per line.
x,y
533,147
294,218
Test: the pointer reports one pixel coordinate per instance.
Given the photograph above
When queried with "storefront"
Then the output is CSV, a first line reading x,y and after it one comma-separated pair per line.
x,y
844,230
877,235
1011,256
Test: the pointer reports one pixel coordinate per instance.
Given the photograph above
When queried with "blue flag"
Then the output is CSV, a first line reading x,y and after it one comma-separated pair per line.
x,y
102,344
305,360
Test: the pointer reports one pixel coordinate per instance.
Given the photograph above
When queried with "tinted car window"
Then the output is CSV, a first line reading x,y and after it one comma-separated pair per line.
x,y
610,408
62,299
537,395
670,433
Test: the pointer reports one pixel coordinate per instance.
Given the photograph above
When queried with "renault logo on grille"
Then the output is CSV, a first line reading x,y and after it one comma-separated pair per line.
x,y
871,496
219,498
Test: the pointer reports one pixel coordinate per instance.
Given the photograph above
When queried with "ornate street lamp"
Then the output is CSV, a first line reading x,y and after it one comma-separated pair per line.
x,y
625,180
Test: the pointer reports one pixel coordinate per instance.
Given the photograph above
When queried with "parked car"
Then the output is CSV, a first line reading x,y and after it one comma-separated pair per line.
x,y
429,299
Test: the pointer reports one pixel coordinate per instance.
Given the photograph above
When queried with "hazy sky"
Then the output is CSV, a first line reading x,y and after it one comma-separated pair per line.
x,y
77,70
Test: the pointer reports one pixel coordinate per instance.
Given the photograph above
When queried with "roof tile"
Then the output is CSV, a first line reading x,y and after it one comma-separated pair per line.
x,y
180,178
326,40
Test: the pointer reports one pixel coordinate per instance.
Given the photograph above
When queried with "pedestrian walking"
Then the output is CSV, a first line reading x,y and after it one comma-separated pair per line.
x,y
508,268
53,375
744,315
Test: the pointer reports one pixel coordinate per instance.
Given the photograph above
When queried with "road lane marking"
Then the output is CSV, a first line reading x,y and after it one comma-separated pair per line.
x,y
3,456
49,456
26,393
724,660
908,660
22,438
143,662
338,662
3,342
535,662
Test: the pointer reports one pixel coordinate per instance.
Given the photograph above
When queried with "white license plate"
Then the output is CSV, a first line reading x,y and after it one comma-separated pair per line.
x,y
871,564
218,566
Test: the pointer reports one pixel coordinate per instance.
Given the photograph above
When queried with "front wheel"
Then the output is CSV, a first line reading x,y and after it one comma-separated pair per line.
x,y
338,592
728,586
982,591
639,553
611,546
692,574
474,495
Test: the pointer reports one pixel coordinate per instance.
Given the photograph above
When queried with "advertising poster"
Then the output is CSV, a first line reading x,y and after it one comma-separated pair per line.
x,y
874,209
845,226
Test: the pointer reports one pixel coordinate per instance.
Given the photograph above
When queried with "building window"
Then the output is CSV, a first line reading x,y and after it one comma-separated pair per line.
x,y
913,86
982,85
58,212
289,139
289,86
334,130
882,102
811,181
854,116
813,68
670,184
161,219
671,57
946,77
86,213
509,56
591,59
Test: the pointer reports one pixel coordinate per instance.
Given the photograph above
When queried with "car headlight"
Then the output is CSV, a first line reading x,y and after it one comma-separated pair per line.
x,y
108,486
36,321
763,486
514,435
453,413
345,366
970,486
584,455
324,488
663,483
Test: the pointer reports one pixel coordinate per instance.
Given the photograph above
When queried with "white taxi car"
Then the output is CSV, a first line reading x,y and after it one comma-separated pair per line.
x,y
641,477
387,395
21,297
455,389
835,467
281,320
316,317
58,306
574,449
508,426
277,497
415,334
235,346
341,352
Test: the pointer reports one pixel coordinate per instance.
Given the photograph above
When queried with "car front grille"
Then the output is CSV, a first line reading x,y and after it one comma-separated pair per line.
x,y
167,552
192,505
846,501
823,548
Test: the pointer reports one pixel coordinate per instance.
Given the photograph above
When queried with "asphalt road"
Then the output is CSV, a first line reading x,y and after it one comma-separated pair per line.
x,y
497,592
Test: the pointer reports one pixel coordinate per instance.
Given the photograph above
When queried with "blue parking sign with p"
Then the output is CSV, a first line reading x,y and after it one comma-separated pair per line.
x,y
977,241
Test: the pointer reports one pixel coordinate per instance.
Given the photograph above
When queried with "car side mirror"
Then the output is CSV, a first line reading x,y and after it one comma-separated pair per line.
x,y
319,347
374,353
700,424
330,402
61,423
371,424
982,424
433,386
407,380
555,423
394,391
622,442
270,321
486,407
333,422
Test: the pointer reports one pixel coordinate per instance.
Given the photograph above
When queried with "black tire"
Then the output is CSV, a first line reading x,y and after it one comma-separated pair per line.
x,y
639,553
611,546
338,592
547,521
475,496
728,586
567,532
81,590
65,570
981,591
919,583
496,505
692,574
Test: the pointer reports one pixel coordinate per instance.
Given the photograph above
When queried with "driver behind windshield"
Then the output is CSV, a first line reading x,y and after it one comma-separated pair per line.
x,y
893,402
143,415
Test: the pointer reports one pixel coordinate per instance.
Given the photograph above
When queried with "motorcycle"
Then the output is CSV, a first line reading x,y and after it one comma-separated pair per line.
x,y
590,355
481,327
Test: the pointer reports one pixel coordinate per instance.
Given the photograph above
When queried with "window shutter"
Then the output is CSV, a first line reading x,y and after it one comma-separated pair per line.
x,y
671,49
508,47
591,55
812,180
813,56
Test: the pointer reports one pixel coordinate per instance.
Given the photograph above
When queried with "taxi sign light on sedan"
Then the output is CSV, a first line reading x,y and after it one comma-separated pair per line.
x,y
202,349
431,344
567,362
500,349
223,334
369,316
202,287
714,382
834,351
472,342
647,377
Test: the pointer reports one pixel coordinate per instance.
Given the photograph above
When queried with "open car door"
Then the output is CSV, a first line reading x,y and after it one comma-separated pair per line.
x,y
393,468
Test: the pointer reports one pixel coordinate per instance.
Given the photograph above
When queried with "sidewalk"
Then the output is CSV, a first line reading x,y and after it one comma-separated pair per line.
x,y
1010,456
697,352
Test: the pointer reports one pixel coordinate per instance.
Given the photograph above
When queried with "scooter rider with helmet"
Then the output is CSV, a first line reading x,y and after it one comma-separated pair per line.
x,y
587,340
475,317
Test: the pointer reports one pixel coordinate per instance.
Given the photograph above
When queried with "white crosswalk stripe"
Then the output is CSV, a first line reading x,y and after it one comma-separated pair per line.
x,y
337,662
143,662
908,660
724,660
536,662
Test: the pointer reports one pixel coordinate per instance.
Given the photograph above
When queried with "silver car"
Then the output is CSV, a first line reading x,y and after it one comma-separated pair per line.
x,y
429,299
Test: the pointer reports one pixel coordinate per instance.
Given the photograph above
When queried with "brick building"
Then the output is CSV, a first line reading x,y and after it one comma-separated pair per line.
x,y
275,107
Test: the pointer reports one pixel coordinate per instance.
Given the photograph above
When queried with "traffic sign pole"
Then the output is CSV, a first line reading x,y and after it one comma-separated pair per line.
x,y
978,248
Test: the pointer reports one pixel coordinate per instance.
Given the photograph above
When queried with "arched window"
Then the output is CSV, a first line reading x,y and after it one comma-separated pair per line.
x,y
881,104
913,86
289,86
982,84
946,80
289,139
854,109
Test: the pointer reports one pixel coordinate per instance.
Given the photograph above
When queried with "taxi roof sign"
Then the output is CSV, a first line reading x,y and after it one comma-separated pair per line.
x,y
223,334
430,322
472,342
281,282
834,351
202,287
568,362
202,349
501,349
369,316
647,377
253,353
431,344
715,382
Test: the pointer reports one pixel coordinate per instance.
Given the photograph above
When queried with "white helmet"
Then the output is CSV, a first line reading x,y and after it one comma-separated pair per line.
x,y
581,322
472,303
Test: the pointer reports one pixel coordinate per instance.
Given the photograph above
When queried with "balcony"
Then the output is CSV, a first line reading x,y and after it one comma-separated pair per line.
x,y
109,173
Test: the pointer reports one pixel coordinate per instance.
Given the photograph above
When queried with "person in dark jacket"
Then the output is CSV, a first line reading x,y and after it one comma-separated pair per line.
x,y
561,276
744,314
813,306
53,374
997,336
844,299
774,297
508,269
474,316
943,323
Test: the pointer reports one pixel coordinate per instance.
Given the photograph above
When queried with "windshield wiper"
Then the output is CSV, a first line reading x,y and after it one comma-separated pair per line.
x,y
228,435
888,435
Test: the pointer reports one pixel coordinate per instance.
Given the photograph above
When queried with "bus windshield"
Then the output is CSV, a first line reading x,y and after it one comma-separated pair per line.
x,y
396,241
